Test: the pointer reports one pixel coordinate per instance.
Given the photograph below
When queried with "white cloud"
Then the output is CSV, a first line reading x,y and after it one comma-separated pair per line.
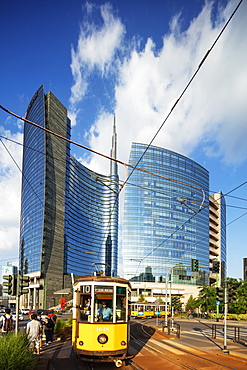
x,y
10,190
211,113
95,50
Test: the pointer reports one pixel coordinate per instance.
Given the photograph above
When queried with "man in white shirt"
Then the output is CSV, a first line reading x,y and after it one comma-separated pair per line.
x,y
34,329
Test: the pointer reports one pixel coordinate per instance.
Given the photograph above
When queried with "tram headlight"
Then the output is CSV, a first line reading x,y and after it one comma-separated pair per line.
x,y
81,343
102,338
123,343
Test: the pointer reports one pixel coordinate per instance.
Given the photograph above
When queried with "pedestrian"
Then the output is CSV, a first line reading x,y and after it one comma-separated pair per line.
x,y
53,317
6,322
49,329
34,330
39,318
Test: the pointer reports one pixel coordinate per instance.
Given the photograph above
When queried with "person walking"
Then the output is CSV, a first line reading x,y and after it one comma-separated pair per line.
x,y
6,322
34,329
49,329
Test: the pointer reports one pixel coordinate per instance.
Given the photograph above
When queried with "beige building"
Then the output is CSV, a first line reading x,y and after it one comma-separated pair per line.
x,y
154,291
217,236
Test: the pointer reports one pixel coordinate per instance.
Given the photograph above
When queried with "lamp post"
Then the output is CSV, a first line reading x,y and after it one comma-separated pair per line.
x,y
166,303
166,300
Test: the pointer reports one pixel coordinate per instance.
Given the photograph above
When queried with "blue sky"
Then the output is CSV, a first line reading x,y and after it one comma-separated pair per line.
x,y
134,58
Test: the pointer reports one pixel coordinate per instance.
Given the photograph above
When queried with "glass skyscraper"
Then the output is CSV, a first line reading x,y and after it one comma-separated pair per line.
x,y
166,217
69,214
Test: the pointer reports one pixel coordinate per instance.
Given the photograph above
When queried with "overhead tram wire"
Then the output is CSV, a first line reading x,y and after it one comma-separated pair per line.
x,y
215,202
95,152
121,182
13,159
181,95
186,87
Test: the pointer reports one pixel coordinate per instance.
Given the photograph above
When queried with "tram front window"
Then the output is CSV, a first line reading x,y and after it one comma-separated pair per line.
x,y
103,305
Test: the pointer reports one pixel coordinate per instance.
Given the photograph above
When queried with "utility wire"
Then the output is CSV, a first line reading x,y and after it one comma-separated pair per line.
x,y
22,172
173,107
186,87
189,219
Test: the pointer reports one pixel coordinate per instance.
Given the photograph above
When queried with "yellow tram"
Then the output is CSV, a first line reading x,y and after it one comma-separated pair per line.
x,y
147,310
100,327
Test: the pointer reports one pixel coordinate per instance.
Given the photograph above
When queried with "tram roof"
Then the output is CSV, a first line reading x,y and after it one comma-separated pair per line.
x,y
103,278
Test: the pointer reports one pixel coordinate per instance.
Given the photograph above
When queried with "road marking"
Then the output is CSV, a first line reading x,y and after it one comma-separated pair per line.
x,y
166,347
188,348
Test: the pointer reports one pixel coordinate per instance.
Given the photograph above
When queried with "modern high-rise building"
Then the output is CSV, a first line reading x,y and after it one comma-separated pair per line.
x,y
69,214
166,217
217,236
244,268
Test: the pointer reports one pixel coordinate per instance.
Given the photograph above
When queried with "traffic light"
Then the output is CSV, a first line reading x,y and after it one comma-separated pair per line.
x,y
23,283
216,267
175,301
10,284
194,265
220,294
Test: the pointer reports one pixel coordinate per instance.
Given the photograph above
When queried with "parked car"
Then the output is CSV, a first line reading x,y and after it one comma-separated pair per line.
x,y
25,311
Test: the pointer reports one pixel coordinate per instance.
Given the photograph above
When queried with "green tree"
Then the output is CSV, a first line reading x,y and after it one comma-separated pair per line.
x,y
191,304
237,295
142,298
207,298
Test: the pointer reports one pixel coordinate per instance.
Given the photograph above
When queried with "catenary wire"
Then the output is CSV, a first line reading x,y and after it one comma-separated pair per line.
x,y
216,200
181,95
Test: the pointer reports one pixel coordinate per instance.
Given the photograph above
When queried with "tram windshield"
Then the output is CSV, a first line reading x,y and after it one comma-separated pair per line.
x,y
102,303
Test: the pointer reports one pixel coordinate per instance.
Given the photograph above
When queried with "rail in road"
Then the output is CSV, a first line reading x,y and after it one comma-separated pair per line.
x,y
157,353
149,350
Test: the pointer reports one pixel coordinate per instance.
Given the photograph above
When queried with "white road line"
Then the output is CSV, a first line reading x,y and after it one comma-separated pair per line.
x,y
166,347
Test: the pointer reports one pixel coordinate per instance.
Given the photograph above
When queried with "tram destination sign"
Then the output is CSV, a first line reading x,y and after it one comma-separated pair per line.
x,y
103,289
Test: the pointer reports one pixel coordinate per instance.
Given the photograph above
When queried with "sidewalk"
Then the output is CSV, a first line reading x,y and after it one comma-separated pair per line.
x,y
216,346
56,350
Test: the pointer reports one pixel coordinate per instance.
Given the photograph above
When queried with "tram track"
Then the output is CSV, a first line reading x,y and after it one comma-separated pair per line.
x,y
173,358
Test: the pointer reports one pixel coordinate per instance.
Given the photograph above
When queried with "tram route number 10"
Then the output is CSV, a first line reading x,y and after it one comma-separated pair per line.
x,y
86,289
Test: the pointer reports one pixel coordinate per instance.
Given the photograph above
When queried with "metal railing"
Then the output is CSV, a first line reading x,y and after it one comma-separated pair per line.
x,y
172,328
234,333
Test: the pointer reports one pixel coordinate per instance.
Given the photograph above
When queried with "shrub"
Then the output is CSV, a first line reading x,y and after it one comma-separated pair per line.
x,y
60,325
14,349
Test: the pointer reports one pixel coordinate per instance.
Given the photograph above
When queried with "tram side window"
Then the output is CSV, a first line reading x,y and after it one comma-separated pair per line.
x,y
121,304
85,307
85,303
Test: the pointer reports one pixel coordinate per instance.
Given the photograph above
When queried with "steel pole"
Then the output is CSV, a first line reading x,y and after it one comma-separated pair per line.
x,y
17,303
225,318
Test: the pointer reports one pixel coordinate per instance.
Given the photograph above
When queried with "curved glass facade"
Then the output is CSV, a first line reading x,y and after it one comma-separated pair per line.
x,y
90,224
165,223
33,186
69,214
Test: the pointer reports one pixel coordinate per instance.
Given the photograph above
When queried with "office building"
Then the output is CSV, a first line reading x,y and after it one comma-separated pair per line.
x,y
166,217
217,236
69,214
245,269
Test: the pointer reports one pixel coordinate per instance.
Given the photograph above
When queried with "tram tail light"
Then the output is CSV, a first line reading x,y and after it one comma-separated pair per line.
x,y
102,338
